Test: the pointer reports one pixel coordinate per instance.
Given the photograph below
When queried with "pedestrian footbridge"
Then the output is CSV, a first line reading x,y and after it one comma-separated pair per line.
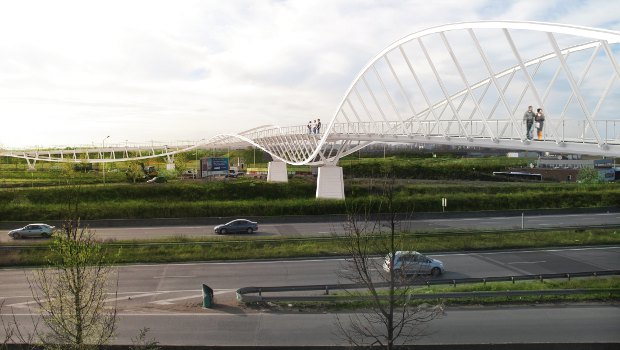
x,y
465,84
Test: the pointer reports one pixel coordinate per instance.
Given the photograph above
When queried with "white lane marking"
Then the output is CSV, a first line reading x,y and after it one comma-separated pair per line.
x,y
131,297
160,277
530,251
172,300
324,232
23,305
527,262
545,224
26,303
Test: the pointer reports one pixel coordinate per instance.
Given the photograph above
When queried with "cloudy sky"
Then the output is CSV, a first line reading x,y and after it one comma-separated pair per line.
x,y
74,72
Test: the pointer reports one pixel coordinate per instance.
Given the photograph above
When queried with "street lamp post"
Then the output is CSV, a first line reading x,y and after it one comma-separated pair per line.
x,y
103,154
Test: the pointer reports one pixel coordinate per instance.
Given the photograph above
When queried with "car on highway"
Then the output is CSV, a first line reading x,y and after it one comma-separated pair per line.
x,y
32,230
236,226
413,263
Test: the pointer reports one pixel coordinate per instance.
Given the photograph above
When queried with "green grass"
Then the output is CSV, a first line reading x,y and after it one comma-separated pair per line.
x,y
45,194
232,248
250,197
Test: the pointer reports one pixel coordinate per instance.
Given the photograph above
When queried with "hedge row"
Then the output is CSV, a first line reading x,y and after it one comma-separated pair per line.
x,y
432,168
308,206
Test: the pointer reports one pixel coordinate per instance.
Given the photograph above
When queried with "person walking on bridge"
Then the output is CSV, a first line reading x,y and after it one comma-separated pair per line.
x,y
528,118
540,120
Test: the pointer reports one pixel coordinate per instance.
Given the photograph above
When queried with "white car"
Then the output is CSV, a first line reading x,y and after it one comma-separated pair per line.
x,y
32,230
413,263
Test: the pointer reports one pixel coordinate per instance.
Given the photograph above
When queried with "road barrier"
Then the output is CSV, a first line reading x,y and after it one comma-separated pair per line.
x,y
255,294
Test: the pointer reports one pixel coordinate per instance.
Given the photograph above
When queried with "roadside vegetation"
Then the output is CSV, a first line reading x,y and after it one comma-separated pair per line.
x,y
599,289
251,197
182,249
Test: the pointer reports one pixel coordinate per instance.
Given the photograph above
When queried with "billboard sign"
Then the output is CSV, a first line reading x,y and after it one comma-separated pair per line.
x,y
213,166
217,164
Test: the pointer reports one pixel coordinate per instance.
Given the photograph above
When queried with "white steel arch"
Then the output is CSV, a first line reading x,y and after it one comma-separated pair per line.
x,y
459,111
457,84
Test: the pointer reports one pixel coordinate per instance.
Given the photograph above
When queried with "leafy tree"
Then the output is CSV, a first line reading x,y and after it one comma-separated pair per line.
x,y
180,162
134,171
72,292
589,176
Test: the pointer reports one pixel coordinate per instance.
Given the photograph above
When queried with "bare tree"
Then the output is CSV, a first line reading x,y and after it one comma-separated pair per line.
x,y
72,293
392,316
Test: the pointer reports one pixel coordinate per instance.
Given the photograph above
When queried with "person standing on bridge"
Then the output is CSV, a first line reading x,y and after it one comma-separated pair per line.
x,y
318,126
528,118
310,127
540,120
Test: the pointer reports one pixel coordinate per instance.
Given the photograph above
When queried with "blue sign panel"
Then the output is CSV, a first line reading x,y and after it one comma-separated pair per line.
x,y
217,164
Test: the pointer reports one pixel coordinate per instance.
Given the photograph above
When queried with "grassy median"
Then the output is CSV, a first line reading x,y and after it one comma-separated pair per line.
x,y
599,289
182,249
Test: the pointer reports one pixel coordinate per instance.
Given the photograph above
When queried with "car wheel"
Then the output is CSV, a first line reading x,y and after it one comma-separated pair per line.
x,y
17,236
250,230
435,271
223,231
45,235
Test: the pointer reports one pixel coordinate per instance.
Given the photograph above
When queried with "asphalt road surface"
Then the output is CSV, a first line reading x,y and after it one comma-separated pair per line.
x,y
166,298
328,228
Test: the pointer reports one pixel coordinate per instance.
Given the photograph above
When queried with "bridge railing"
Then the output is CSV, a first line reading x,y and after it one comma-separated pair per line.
x,y
559,131
579,131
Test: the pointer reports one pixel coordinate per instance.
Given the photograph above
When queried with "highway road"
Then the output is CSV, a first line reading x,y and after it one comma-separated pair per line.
x,y
300,229
167,297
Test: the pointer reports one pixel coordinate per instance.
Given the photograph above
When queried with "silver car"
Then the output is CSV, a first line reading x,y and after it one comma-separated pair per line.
x,y
413,263
32,230
236,226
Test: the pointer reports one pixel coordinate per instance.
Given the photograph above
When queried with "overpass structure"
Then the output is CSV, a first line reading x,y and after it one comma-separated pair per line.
x,y
465,84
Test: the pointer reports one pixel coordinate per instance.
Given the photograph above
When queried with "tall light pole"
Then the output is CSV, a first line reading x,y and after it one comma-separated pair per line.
x,y
103,154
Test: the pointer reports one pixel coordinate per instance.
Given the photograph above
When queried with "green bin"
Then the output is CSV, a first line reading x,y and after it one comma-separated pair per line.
x,y
207,296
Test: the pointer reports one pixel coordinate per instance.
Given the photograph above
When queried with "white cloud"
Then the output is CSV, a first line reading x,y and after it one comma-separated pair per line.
x,y
73,72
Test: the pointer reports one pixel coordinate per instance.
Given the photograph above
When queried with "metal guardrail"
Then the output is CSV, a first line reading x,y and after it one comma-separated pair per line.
x,y
255,294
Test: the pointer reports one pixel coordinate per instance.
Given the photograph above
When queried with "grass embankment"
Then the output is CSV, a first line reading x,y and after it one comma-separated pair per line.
x,y
235,248
249,197
603,289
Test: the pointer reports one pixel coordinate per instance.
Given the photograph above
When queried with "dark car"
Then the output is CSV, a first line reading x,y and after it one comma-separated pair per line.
x,y
32,230
237,226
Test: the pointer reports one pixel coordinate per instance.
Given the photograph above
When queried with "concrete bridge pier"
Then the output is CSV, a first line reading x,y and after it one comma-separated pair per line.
x,y
330,183
276,172
170,163
32,166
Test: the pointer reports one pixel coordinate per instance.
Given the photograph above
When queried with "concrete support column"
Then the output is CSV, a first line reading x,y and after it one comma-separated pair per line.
x,y
170,163
276,172
330,183
31,166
